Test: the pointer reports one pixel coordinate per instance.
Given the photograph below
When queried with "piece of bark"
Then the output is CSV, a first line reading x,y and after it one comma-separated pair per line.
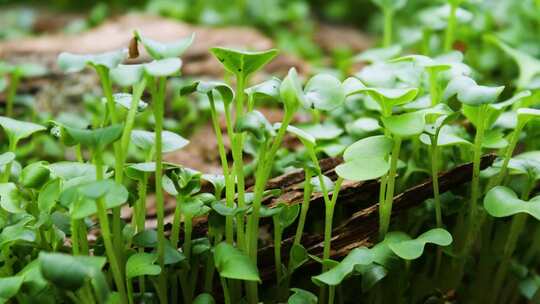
x,y
361,229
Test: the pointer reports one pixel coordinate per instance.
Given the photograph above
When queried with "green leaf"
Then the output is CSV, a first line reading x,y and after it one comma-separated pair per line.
x,y
145,140
204,298
526,114
291,92
413,123
49,195
147,238
491,112
124,100
242,63
17,233
362,126
127,75
447,137
298,256
162,50
193,207
81,199
255,123
163,67
232,263
6,158
413,249
69,272
366,159
379,54
326,130
288,215
140,264
301,296
501,201
11,198
17,130
35,175
323,92
470,93
70,63
97,138
334,276
307,139
266,89
9,287
208,87
385,97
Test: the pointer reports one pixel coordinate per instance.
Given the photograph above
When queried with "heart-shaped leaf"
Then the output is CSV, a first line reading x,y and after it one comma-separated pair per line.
x,y
379,54
501,201
11,199
255,123
127,75
145,140
163,67
140,264
125,99
18,233
28,70
95,139
301,296
9,287
266,89
413,123
69,272
207,87
470,93
231,263
524,115
326,130
413,249
385,97
49,195
242,63
204,298
334,276
70,63
162,50
35,175
366,159
447,137
81,199
17,130
193,207
323,92
491,112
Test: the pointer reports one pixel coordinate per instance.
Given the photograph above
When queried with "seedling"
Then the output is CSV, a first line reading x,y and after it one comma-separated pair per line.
x,y
16,73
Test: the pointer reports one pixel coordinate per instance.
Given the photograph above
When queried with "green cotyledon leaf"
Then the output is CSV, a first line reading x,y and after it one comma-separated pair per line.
x,y
162,50
366,159
142,263
470,93
208,87
501,201
243,63
70,62
413,249
17,130
231,263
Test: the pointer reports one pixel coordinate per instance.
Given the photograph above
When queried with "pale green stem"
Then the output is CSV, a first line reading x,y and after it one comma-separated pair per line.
x,y
386,209
12,91
305,206
388,18
159,108
106,233
450,29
